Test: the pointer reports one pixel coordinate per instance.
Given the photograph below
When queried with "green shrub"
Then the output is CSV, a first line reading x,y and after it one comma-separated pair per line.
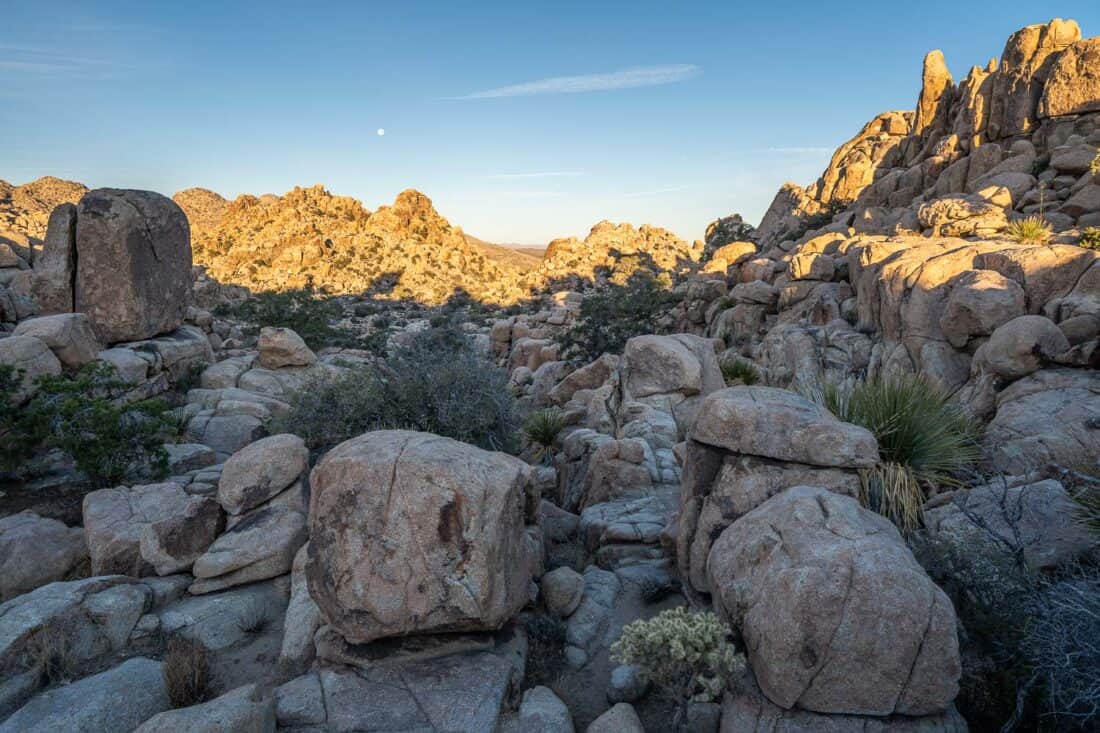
x,y
614,315
1090,238
305,311
740,371
923,441
686,654
542,427
1030,230
83,416
435,383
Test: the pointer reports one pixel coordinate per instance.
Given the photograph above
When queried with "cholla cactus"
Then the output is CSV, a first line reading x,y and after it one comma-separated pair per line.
x,y
687,654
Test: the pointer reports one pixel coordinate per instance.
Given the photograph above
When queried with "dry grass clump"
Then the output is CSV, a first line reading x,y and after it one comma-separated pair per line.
x,y
740,372
50,655
1030,230
187,672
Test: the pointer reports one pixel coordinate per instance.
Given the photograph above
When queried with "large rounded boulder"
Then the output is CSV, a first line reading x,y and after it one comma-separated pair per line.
x,y
411,532
133,263
837,615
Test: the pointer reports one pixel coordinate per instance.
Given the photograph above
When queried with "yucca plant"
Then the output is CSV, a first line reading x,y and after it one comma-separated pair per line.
x,y
740,371
1029,230
542,427
1090,238
923,442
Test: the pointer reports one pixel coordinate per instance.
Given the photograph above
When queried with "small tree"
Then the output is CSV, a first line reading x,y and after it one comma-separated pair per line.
x,y
614,315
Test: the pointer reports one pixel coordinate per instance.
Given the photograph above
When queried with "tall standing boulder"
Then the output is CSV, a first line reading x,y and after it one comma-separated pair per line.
x,y
55,268
836,613
133,264
412,532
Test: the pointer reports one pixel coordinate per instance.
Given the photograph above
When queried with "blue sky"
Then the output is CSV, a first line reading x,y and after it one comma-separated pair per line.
x,y
522,121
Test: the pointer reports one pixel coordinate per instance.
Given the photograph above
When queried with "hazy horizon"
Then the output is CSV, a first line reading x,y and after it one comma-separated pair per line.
x,y
522,124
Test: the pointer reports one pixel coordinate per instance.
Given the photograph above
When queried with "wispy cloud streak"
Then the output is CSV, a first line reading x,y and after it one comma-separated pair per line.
x,y
645,76
547,174
791,151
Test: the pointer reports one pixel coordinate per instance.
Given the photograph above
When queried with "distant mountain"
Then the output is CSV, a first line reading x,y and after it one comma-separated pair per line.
x,y
25,209
407,249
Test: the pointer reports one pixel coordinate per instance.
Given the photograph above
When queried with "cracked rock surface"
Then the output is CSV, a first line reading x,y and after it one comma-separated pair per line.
x,y
837,615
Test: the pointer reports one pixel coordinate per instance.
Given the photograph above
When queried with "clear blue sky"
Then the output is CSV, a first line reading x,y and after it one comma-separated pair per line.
x,y
721,102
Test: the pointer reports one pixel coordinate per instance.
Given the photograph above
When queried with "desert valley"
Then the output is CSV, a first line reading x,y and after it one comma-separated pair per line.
x,y
284,463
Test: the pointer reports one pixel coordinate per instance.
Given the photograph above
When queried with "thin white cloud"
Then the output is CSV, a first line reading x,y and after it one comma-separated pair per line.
x,y
792,151
41,60
532,194
546,174
645,76
656,191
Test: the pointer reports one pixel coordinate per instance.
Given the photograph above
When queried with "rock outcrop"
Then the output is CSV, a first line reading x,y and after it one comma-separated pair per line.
x,y
414,533
1028,124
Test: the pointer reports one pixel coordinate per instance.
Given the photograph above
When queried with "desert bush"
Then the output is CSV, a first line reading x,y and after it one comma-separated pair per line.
x,y
305,311
614,315
923,441
435,383
687,654
654,590
51,657
1029,230
542,427
1062,648
988,585
740,371
1090,238
253,618
83,415
186,672
546,648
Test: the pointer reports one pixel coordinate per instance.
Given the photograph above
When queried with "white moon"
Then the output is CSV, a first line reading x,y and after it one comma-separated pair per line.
x,y
381,132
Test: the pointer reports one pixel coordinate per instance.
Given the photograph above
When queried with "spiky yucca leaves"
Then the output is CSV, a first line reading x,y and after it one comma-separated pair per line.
x,y
1030,230
923,442
542,427
740,371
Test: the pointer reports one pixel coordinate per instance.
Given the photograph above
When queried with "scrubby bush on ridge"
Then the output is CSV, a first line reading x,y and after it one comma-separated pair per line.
x,y
305,311
615,314
434,383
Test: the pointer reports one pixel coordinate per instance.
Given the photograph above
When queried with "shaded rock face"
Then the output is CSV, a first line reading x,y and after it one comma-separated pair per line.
x,y
411,532
133,273
837,615
749,444
35,551
744,708
118,699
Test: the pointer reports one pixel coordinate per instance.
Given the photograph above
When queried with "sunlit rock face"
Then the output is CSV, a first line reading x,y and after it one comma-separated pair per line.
x,y
1028,123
